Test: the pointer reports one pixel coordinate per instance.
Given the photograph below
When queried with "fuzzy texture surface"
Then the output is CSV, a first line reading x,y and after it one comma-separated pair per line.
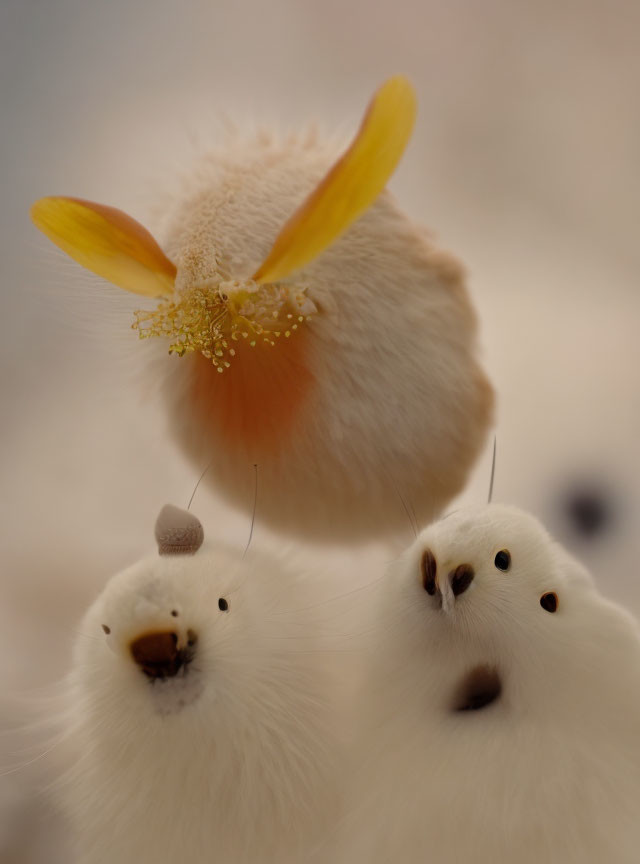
x,y
549,769
226,759
379,392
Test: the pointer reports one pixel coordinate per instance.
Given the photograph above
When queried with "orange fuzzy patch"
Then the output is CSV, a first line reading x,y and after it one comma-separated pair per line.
x,y
254,403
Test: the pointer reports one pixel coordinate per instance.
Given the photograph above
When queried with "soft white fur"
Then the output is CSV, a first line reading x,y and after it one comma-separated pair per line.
x,y
399,402
548,773
229,763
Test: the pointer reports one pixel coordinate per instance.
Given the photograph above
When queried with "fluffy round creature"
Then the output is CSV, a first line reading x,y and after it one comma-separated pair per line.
x,y
344,365
500,717
379,391
200,727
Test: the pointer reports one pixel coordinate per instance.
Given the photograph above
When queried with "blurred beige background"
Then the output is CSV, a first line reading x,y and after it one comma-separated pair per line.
x,y
524,161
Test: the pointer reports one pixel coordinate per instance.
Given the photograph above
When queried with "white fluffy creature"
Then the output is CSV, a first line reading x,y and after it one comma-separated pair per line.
x,y
379,391
198,711
345,364
500,716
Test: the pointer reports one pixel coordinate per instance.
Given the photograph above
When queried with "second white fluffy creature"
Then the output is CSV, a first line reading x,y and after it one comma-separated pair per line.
x,y
199,721
500,717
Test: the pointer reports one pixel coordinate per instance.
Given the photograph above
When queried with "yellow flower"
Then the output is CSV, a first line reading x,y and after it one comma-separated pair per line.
x,y
210,317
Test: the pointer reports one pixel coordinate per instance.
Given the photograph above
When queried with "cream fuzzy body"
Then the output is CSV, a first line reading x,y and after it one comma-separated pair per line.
x,y
397,400
230,762
550,772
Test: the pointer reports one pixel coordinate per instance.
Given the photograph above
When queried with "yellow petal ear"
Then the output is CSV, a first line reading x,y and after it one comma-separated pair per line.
x,y
351,185
107,242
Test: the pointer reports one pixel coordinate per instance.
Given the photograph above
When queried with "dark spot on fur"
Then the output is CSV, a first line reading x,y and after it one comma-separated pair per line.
x,y
174,612
106,629
479,688
158,655
461,578
223,606
428,569
549,601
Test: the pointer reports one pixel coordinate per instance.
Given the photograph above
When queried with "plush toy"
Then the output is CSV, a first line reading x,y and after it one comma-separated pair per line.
x,y
499,717
335,347
200,725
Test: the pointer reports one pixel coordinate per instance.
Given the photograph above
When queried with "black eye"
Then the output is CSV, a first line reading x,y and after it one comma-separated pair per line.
x,y
549,601
223,606
106,629
503,560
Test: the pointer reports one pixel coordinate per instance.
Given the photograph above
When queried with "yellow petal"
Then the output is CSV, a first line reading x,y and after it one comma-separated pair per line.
x,y
352,184
107,242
